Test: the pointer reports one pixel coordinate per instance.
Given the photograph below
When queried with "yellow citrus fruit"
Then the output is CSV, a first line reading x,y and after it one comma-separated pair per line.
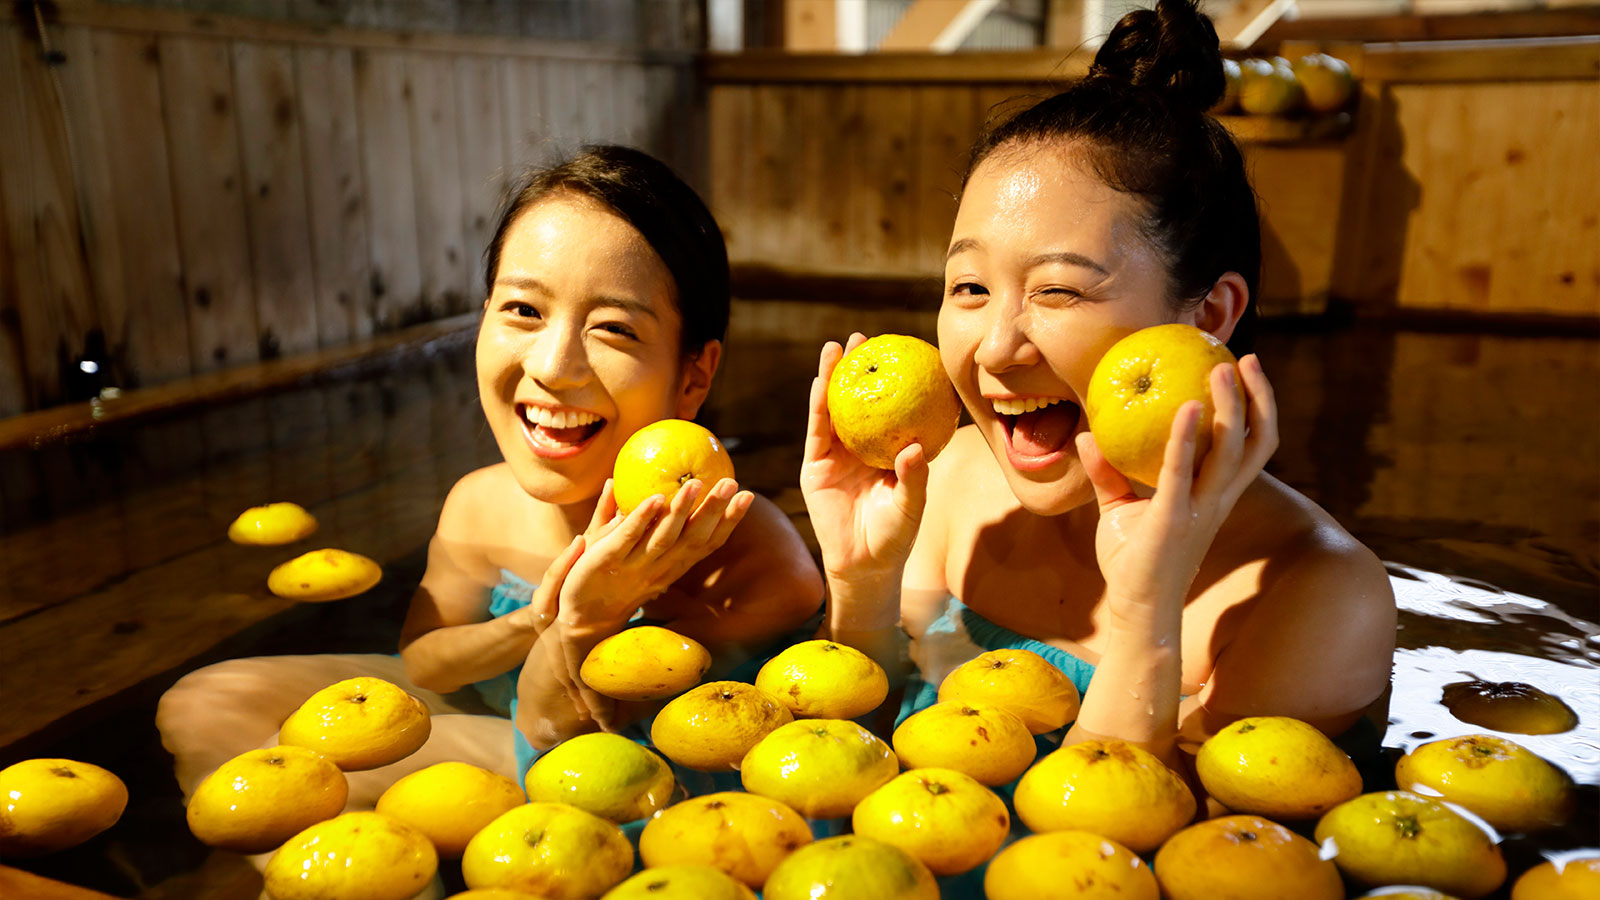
x,y
1110,788
1020,682
450,802
1572,879
824,680
1277,767
888,393
495,894
713,726
605,774
1409,894
1509,706
52,804
273,524
942,817
359,723
680,883
744,835
645,663
1396,837
261,798
1325,81
550,849
1068,865
1244,858
356,856
1137,388
1510,786
324,575
821,767
983,741
661,457
851,867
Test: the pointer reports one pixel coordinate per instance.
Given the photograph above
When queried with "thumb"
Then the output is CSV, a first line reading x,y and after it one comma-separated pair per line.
x,y
1110,486
911,481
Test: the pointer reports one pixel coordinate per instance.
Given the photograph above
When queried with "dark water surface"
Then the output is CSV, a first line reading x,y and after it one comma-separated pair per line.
x,y
1470,462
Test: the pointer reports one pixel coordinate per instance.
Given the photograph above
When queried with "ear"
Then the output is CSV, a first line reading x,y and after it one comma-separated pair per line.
x,y
694,382
1223,305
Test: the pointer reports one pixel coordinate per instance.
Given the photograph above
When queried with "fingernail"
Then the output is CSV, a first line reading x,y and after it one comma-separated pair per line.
x,y
725,490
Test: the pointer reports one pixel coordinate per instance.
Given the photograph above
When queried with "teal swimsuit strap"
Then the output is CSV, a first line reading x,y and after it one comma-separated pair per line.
x,y
990,636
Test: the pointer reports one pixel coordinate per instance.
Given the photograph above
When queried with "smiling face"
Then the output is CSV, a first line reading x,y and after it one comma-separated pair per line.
x,y
1047,269
579,347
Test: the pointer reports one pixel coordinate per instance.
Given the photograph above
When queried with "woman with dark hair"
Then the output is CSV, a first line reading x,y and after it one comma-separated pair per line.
x,y
607,305
1115,205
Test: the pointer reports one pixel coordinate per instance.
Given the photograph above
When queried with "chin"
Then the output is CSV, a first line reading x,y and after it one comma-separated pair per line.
x,y
1054,497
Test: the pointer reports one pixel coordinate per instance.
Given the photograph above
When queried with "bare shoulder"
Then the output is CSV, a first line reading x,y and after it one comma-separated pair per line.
x,y
766,542
477,503
1301,545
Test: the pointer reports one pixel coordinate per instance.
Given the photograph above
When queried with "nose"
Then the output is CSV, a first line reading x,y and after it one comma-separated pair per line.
x,y
1006,343
556,359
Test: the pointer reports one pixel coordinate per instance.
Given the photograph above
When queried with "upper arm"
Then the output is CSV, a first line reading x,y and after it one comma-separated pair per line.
x,y
757,586
1317,645
455,586
923,586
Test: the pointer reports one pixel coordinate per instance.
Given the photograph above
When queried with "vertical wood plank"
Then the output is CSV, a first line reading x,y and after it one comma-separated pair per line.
x,y
597,107
772,224
396,276
13,374
946,129
522,86
52,282
335,194
436,154
566,126
841,229
275,198
883,180
731,109
202,133
482,121
128,86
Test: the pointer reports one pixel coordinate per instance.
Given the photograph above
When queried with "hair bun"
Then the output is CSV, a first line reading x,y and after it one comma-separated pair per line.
x,y
1172,48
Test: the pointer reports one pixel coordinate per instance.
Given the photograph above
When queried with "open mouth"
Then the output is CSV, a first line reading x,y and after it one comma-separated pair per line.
x,y
1039,430
556,433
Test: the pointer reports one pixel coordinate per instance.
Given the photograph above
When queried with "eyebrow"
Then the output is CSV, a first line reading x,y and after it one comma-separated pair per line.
x,y
536,286
1065,257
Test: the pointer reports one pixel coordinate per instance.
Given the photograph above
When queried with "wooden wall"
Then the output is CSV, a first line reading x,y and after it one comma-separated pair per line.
x,y
185,193
1464,182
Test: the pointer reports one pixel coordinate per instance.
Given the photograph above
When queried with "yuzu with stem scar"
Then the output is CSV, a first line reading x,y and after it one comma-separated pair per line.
x,y
890,392
825,680
324,575
550,849
359,723
1111,788
1510,786
51,804
261,798
1068,865
1018,681
1278,767
985,742
449,802
851,867
943,817
821,767
1397,837
645,662
662,457
355,856
711,727
744,835
605,774
1244,858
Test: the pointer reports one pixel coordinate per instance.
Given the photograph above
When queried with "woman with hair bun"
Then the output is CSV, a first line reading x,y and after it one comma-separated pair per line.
x,y
1115,205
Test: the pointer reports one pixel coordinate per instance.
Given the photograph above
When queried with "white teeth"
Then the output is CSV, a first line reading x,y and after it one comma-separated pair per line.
x,y
1018,407
547,418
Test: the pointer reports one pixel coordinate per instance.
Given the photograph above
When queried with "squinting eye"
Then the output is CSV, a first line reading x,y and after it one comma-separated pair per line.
x,y
615,328
525,310
969,288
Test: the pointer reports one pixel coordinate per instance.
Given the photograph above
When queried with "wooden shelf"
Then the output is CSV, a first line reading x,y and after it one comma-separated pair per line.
x,y
1287,130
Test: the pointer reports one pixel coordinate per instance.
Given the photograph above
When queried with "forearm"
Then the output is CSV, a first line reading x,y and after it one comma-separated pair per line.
x,y
865,614
446,659
551,702
1134,696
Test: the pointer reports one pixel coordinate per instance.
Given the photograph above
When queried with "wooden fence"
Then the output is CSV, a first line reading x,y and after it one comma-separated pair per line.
x,y
183,193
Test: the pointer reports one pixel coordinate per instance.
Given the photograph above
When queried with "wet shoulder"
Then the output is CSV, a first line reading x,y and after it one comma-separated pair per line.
x,y
1292,542
484,503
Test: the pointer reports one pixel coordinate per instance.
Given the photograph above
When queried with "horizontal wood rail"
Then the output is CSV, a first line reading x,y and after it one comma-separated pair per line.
x,y
775,67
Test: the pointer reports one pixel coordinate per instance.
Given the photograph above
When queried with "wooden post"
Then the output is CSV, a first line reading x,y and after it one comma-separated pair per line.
x,y
1063,24
809,25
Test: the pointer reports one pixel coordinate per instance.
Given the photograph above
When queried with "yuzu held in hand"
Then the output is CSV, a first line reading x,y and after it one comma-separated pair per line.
x,y
549,849
645,662
359,723
1138,387
1278,767
744,835
52,804
820,767
261,798
605,774
272,524
983,741
711,727
355,856
942,817
824,680
449,802
1397,837
662,457
1068,865
851,867
1510,786
1244,858
324,575
1020,682
888,393
1110,788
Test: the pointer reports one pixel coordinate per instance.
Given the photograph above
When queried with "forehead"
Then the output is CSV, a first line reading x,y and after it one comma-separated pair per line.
x,y
1044,194
574,238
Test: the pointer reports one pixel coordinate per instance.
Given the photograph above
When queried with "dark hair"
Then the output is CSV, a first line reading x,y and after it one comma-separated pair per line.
x,y
1141,116
647,194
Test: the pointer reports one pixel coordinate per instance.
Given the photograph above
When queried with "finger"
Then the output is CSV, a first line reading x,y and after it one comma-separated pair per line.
x,y
605,509
597,705
911,481
546,601
1262,417
1111,488
737,507
1221,462
710,514
666,531
632,529
856,340
1177,464
819,427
